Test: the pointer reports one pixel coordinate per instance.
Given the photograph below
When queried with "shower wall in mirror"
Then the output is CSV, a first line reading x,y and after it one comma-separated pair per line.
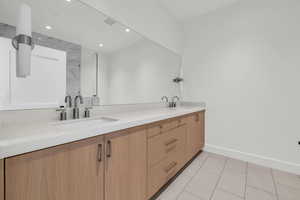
x,y
97,57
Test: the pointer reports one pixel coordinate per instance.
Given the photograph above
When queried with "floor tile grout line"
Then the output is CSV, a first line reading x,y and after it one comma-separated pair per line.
x,y
220,176
262,189
275,185
194,195
246,180
183,190
231,193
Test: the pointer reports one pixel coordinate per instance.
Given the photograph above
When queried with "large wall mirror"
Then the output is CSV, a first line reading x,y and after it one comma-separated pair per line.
x,y
79,50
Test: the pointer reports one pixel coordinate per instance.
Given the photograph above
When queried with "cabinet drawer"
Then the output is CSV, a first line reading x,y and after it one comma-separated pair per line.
x,y
169,125
153,131
161,173
165,144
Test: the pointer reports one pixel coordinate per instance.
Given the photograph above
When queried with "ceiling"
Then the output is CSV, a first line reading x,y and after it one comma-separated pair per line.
x,y
73,22
184,10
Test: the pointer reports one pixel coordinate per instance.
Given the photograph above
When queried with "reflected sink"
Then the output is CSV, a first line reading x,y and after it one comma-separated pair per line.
x,y
97,120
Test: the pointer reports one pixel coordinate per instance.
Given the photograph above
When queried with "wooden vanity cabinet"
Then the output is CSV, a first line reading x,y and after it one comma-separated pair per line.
x,y
131,164
72,171
195,133
166,155
126,169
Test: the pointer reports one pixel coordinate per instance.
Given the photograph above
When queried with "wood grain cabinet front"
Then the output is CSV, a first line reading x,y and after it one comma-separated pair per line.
x,y
72,171
166,156
161,146
195,134
126,169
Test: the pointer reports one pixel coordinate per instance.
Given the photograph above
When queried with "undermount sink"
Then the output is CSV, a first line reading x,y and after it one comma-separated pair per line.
x,y
98,120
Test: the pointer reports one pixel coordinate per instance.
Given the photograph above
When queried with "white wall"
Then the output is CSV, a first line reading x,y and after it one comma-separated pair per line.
x,y
244,61
141,73
146,17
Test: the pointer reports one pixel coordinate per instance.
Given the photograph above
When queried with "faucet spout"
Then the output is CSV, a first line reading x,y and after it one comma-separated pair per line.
x,y
68,100
76,100
165,98
76,109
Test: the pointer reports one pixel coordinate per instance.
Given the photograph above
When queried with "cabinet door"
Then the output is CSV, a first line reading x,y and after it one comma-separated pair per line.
x,y
125,173
72,171
195,134
198,133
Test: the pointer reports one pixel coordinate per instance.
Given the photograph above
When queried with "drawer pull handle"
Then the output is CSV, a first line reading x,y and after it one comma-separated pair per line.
x,y
100,152
170,149
108,152
170,167
171,142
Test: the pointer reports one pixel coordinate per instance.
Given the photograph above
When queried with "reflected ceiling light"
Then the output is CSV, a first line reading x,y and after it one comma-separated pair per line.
x,y
48,27
23,42
101,45
127,30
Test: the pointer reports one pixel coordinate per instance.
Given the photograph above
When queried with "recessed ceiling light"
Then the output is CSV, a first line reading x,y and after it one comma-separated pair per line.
x,y
48,27
127,30
68,0
101,45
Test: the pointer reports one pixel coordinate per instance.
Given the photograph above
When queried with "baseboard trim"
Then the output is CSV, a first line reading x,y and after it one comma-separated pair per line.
x,y
253,158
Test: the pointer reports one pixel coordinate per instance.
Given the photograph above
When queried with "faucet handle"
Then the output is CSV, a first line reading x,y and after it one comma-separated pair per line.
x,y
87,112
63,113
165,98
61,108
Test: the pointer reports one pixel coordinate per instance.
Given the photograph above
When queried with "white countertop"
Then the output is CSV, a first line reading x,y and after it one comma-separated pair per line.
x,y
23,139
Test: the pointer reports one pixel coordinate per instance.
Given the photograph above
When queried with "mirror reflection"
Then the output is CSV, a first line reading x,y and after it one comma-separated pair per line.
x,y
90,55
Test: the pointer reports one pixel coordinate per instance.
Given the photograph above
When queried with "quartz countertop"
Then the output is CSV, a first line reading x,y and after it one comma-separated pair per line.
x,y
27,138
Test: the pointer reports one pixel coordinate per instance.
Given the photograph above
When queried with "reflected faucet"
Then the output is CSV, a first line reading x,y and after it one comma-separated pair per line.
x,y
173,103
76,109
165,98
68,101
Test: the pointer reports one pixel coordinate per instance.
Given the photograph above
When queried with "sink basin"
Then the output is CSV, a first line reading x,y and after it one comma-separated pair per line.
x,y
97,120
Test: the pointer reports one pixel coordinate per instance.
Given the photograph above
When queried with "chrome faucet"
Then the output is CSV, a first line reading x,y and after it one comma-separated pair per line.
x,y
165,98
76,109
68,101
173,103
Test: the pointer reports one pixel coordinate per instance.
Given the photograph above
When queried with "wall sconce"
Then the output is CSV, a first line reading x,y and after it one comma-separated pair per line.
x,y
23,42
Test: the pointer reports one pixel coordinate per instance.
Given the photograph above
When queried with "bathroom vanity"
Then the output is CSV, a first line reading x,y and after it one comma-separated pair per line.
x,y
119,139
128,164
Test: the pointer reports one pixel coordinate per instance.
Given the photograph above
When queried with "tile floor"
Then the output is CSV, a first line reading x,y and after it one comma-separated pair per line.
x,y
214,177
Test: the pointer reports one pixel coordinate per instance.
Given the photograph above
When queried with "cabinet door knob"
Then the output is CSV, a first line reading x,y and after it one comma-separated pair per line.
x,y
108,150
100,152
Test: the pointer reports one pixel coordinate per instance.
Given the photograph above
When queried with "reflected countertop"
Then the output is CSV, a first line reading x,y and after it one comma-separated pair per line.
x,y
27,138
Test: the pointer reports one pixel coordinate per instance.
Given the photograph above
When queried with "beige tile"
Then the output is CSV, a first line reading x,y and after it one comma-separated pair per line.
x,y
256,194
288,193
187,196
260,177
287,178
203,184
173,191
222,195
194,167
233,182
214,164
236,166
